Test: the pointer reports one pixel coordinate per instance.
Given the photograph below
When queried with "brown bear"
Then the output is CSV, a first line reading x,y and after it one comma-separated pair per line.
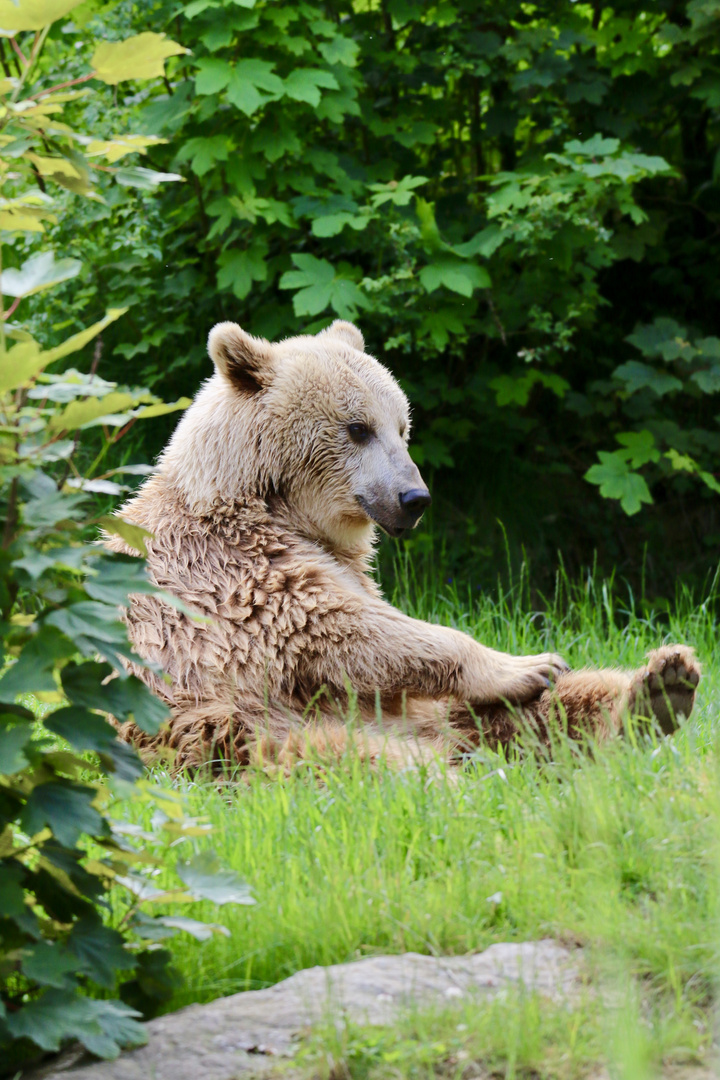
x,y
263,512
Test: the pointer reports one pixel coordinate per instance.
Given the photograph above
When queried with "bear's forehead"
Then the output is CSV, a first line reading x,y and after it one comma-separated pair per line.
x,y
334,372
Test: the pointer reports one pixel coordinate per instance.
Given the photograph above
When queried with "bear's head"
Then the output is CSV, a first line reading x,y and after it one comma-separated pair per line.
x,y
313,425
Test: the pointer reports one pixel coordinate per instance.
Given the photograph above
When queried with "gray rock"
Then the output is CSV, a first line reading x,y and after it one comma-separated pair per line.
x,y
239,1036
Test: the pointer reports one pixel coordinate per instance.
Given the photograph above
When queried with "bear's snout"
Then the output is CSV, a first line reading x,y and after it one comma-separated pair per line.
x,y
413,504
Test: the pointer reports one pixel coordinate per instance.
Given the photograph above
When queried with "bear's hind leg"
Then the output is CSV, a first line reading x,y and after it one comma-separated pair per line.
x,y
581,703
596,702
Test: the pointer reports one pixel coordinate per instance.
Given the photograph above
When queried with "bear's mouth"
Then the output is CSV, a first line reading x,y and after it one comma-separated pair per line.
x,y
395,531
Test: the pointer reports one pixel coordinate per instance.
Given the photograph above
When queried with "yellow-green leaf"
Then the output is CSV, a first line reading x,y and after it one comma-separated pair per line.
x,y
21,221
26,212
79,341
33,14
48,166
163,407
84,411
20,364
139,57
113,149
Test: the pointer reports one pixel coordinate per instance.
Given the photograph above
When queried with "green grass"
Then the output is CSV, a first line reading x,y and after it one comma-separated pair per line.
x,y
518,1036
618,851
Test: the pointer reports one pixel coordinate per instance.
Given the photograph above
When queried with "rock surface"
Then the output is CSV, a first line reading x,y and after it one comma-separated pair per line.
x,y
243,1035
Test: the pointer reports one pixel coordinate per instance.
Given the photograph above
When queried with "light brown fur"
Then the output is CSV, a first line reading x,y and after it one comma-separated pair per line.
x,y
263,514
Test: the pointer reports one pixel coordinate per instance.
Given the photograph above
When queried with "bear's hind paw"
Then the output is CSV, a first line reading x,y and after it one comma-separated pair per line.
x,y
666,688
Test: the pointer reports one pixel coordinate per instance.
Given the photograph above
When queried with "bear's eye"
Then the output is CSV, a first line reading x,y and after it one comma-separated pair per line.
x,y
359,433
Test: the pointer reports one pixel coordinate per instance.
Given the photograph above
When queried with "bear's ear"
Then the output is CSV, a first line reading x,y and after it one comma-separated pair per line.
x,y
243,359
348,332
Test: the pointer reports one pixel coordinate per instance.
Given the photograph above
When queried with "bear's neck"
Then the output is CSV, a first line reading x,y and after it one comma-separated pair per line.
x,y
162,508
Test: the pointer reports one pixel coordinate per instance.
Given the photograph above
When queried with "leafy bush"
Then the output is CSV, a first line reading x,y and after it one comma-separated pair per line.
x,y
63,948
499,194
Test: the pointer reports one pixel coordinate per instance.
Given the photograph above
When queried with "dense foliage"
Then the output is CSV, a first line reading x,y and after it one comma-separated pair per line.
x,y
64,949
518,203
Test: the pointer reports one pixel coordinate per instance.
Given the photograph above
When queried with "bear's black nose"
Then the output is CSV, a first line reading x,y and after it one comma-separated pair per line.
x,y
415,501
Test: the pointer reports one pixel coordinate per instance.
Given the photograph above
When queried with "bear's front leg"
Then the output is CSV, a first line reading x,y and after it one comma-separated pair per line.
x,y
376,648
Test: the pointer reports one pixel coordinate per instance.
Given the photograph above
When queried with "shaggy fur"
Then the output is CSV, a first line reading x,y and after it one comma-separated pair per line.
x,y
262,514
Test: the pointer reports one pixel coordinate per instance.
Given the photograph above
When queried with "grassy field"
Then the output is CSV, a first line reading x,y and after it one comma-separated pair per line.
x,y
617,851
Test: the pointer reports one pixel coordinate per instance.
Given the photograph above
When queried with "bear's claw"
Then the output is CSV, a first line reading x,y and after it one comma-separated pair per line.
x,y
666,688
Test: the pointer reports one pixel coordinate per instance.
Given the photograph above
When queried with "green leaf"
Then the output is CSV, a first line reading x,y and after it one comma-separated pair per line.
x,y
206,879
94,628
340,50
139,57
397,192
345,298
709,346
156,981
198,6
33,671
303,84
100,950
126,699
68,386
78,619
36,562
708,379
248,79
460,277
133,535
203,153
50,964
639,376
617,481
598,146
484,243
12,895
54,1018
238,270
83,729
213,75
39,272
650,338
441,325
13,740
333,224
640,447
320,287
514,389
710,481
66,809
114,580
681,462
50,510
428,225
